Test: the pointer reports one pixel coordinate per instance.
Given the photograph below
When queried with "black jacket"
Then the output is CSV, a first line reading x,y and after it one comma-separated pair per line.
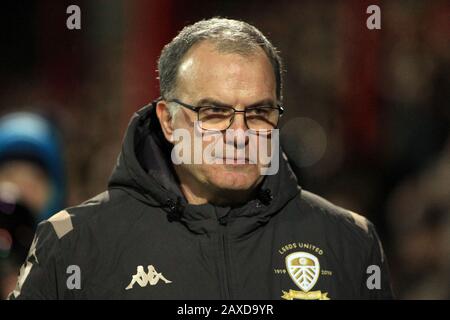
x,y
141,240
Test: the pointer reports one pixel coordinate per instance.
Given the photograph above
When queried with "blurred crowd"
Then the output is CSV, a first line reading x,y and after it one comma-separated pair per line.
x,y
366,125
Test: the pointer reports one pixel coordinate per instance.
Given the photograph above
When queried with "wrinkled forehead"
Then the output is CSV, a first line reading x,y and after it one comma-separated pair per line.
x,y
231,77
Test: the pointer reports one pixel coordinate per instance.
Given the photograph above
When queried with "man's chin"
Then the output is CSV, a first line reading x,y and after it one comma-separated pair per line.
x,y
235,177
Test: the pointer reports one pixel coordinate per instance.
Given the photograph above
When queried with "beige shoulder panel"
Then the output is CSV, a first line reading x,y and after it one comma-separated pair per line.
x,y
62,223
360,221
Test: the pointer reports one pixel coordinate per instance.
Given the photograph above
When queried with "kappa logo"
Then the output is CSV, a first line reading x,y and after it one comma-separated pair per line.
x,y
304,270
143,278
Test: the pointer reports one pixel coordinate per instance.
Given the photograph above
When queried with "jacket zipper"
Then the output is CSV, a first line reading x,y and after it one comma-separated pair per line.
x,y
227,277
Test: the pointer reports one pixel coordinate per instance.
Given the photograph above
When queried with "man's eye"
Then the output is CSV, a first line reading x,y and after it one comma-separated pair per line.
x,y
215,111
258,111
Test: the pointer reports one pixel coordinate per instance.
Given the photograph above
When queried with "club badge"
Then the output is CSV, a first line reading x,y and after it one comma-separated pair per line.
x,y
304,270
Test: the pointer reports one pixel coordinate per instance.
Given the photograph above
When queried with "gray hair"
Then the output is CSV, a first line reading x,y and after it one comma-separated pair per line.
x,y
229,36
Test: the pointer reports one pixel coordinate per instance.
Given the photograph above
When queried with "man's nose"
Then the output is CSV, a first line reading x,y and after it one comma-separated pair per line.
x,y
239,128
239,121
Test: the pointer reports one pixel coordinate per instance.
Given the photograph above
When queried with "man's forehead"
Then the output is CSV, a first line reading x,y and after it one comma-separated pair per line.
x,y
205,70
206,54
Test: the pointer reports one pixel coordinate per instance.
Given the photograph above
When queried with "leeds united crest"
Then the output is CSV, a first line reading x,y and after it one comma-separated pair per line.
x,y
304,270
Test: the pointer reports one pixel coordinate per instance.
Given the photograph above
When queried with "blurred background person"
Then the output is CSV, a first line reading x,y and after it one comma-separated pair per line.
x,y
32,186
419,217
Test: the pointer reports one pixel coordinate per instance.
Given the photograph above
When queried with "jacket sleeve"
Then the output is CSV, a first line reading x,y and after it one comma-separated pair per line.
x,y
378,282
37,277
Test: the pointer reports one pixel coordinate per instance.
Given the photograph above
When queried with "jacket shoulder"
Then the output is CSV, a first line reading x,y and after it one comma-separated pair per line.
x,y
337,216
94,211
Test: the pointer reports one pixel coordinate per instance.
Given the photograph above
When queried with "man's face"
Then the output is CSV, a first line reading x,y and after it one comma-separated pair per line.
x,y
228,79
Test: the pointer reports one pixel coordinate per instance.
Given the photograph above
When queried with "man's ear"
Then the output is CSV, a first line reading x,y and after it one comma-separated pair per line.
x,y
165,119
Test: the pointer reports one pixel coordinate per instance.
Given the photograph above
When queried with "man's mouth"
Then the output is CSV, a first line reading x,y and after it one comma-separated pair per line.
x,y
236,160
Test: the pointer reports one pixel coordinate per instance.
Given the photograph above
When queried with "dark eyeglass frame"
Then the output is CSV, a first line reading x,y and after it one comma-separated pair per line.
x,y
196,109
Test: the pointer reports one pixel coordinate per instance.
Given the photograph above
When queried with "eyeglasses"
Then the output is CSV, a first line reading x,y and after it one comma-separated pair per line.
x,y
219,118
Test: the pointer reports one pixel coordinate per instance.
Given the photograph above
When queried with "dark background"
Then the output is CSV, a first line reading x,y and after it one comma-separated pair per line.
x,y
367,110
